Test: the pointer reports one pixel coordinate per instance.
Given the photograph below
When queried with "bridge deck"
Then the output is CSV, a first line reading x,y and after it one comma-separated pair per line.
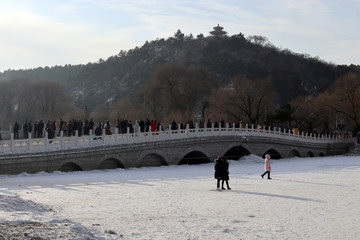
x,y
86,141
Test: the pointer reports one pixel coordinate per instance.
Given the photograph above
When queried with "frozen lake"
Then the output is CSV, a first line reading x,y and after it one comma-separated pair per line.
x,y
308,198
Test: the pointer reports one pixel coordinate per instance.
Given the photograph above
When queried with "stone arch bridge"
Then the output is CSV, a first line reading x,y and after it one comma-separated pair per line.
x,y
170,147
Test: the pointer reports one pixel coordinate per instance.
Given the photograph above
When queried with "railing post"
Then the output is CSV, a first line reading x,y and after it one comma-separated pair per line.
x,y
187,129
76,138
128,134
103,136
91,137
150,133
29,142
12,142
160,132
46,139
62,139
170,131
117,135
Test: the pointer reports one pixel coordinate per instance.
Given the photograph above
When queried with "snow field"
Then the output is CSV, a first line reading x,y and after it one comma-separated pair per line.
x,y
308,198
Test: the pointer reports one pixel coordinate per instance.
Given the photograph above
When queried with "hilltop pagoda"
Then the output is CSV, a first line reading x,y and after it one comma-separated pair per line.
x,y
218,31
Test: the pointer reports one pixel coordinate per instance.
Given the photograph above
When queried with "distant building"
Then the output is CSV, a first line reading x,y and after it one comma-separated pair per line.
x,y
218,31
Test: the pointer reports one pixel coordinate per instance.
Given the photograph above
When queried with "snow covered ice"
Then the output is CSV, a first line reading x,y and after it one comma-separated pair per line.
x,y
308,198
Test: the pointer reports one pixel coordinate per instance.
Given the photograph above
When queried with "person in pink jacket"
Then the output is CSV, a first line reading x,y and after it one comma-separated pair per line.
x,y
267,166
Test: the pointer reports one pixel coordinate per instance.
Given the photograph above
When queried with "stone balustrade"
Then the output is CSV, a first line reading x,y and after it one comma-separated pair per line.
x,y
85,141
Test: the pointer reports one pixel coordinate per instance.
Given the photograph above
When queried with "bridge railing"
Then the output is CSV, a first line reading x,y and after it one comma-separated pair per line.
x,y
88,141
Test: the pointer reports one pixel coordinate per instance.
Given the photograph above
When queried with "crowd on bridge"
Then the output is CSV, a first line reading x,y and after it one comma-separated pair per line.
x,y
37,129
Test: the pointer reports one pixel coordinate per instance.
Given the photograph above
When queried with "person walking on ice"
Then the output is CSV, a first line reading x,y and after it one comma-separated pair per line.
x,y
222,172
267,166
226,175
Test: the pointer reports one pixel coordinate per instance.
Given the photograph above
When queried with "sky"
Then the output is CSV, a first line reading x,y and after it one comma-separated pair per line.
x,y
39,33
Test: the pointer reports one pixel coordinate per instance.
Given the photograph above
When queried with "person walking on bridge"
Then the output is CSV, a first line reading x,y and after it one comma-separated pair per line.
x,y
267,166
16,130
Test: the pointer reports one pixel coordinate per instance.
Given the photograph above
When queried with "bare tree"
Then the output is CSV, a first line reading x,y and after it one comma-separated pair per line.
x,y
175,88
8,100
344,98
23,100
49,98
252,99
310,114
125,109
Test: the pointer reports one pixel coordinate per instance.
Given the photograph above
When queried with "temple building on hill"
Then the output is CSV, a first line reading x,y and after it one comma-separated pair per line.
x,y
218,31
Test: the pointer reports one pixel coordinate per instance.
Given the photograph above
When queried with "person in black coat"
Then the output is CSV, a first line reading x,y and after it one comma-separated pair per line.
x,y
217,175
225,177
222,172
16,130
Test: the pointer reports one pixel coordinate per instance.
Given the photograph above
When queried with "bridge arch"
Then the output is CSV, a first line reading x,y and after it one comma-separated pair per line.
x,y
152,160
310,154
70,167
236,152
194,157
274,154
294,153
110,163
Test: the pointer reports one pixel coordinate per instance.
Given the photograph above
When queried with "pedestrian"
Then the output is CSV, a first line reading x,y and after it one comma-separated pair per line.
x,y
36,129
222,172
267,166
86,127
25,130
52,129
61,126
91,126
16,130
217,175
65,129
41,126
225,177
30,128
80,127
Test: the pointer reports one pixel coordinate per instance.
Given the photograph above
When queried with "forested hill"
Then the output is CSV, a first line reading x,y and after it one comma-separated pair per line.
x,y
60,74
121,75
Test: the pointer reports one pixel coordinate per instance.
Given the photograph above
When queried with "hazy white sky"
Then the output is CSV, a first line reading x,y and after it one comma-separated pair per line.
x,y
39,33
